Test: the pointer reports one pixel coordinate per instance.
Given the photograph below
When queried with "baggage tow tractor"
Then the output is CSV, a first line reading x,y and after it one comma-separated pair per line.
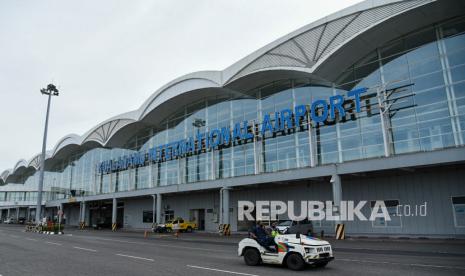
x,y
293,250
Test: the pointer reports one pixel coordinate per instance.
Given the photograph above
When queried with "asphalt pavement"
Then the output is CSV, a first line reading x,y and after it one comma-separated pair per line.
x,y
126,253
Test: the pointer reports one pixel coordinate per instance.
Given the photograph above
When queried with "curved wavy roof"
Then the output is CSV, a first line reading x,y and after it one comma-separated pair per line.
x,y
305,50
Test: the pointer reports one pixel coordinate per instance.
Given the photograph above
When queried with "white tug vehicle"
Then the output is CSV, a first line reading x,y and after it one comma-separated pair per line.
x,y
293,250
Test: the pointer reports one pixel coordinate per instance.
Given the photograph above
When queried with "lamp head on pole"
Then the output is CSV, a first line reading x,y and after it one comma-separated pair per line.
x,y
50,90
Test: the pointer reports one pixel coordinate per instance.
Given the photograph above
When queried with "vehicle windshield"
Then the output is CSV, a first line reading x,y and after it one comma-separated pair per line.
x,y
285,223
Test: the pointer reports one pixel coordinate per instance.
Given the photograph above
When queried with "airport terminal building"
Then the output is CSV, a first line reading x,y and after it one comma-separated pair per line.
x,y
365,104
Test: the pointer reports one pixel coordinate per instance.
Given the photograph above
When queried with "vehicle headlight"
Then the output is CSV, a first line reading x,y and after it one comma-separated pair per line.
x,y
309,250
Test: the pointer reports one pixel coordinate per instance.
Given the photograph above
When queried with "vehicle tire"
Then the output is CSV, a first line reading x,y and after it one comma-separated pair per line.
x,y
189,229
322,264
252,257
295,262
169,230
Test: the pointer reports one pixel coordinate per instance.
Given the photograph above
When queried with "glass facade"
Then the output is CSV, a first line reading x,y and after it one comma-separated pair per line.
x,y
416,82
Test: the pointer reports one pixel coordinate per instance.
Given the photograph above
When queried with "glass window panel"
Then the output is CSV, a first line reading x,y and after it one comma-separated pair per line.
x,y
431,96
456,42
428,81
458,73
424,66
395,69
456,58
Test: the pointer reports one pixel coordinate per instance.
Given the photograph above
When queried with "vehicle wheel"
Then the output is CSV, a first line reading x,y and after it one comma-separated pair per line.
x,y
169,230
295,262
252,256
189,229
323,264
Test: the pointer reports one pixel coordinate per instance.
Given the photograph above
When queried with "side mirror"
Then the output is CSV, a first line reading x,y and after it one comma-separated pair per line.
x,y
297,235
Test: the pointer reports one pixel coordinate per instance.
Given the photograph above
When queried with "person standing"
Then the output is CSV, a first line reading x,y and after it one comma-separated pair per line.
x,y
176,228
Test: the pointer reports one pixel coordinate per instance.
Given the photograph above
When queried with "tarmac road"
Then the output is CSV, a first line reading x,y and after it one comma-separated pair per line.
x,y
122,253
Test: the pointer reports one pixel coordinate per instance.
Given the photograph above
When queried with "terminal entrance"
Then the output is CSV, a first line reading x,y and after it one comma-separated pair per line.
x,y
100,213
198,216
3,214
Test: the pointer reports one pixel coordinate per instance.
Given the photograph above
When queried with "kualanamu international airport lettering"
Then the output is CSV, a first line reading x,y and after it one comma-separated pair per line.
x,y
286,119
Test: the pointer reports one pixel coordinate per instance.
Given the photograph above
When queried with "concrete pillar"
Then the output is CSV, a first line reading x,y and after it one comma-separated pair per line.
x,y
220,211
224,194
28,213
114,211
337,193
17,214
83,212
38,216
60,210
33,217
8,213
40,213
154,208
158,208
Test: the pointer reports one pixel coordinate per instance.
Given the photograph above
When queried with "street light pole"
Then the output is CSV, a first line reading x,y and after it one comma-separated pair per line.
x,y
51,90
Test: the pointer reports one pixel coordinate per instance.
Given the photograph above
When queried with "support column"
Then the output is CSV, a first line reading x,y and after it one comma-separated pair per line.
x,y
224,194
158,209
80,213
337,197
82,216
28,214
114,214
8,213
60,213
17,214
154,210
337,193
41,212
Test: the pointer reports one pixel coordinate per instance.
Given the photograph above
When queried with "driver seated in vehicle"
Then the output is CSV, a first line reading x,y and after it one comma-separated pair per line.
x,y
259,234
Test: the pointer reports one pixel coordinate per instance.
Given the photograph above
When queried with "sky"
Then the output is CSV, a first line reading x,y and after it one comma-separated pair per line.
x,y
108,57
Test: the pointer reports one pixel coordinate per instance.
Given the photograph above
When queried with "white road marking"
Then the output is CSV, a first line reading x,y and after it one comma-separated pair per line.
x,y
29,239
14,236
394,263
55,243
220,270
382,249
86,249
162,245
135,257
